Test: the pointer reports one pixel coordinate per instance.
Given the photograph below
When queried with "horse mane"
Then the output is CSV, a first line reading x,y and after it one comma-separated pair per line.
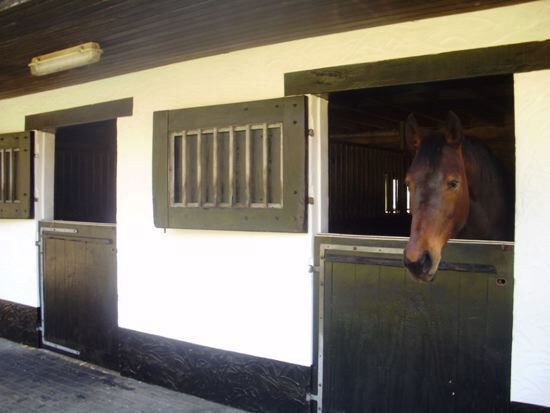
x,y
491,187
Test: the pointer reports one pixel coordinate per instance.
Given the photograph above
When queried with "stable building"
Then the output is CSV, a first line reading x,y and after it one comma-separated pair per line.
x,y
211,197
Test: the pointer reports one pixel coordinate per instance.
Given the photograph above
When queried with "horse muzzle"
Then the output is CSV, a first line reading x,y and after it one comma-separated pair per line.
x,y
422,268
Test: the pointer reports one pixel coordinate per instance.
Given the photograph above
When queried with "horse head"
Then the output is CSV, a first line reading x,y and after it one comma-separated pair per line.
x,y
439,195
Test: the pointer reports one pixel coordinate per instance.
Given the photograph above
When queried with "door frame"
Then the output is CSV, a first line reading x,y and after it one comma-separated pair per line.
x,y
45,124
505,59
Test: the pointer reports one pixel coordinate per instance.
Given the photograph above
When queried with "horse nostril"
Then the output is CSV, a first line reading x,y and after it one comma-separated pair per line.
x,y
425,262
421,267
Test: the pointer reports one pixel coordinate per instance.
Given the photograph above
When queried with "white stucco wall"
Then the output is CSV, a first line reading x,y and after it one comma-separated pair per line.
x,y
245,292
18,262
531,343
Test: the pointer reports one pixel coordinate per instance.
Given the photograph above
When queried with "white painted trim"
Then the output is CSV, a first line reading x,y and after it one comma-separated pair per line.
x,y
44,165
318,163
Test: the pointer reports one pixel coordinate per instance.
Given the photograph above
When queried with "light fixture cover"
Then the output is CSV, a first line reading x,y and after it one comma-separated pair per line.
x,y
81,55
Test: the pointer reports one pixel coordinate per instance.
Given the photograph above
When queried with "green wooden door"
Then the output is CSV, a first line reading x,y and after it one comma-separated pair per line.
x,y
391,344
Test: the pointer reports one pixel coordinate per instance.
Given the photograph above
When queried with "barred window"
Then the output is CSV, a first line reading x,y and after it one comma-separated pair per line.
x,y
15,175
234,166
238,166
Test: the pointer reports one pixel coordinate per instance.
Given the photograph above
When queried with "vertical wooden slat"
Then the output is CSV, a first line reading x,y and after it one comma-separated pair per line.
x,y
498,339
281,162
9,170
400,349
172,190
47,269
215,167
442,340
248,167
199,161
341,312
471,392
369,348
184,160
231,151
274,142
265,164
14,174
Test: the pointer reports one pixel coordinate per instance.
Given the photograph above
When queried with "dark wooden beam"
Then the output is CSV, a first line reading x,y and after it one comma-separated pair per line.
x,y
514,58
50,121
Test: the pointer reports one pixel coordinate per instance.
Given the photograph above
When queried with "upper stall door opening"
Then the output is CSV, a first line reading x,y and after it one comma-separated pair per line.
x,y
369,155
85,172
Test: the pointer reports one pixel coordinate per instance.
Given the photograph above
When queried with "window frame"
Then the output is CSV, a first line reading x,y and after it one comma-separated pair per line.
x,y
289,216
18,203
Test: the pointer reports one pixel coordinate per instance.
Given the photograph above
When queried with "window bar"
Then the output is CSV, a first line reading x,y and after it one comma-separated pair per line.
x,y
248,167
9,179
231,165
265,143
386,210
281,168
183,168
14,175
215,186
2,178
395,208
172,168
199,160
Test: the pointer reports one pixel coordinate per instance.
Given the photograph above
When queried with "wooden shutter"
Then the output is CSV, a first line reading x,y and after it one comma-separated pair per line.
x,y
15,175
232,167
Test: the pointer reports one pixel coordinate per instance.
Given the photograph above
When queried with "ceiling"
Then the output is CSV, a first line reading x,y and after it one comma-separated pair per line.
x,y
141,34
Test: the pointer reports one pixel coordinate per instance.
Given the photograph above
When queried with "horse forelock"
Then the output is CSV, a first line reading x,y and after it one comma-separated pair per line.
x,y
430,150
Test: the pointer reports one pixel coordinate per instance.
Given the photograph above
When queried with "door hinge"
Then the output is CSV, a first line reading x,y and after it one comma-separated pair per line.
x,y
314,268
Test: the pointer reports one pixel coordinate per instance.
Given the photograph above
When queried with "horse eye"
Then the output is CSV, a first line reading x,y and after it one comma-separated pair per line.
x,y
452,184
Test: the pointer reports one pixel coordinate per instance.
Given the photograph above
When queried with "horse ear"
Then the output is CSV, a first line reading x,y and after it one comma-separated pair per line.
x,y
412,132
454,134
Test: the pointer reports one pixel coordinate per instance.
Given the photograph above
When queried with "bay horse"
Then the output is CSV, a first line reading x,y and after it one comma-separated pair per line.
x,y
457,189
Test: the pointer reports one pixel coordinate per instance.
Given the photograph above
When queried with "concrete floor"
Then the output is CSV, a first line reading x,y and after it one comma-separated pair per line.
x,y
36,380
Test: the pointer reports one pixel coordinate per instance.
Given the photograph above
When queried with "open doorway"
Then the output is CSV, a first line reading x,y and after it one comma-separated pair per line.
x,y
85,172
386,341
368,157
78,247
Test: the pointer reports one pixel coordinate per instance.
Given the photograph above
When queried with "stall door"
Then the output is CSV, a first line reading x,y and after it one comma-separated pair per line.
x,y
79,290
79,246
390,344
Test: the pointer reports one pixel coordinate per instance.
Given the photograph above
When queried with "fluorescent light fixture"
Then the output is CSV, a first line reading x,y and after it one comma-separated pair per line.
x,y
81,55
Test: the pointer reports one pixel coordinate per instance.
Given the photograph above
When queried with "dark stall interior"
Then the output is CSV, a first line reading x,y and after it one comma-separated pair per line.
x,y
368,158
85,172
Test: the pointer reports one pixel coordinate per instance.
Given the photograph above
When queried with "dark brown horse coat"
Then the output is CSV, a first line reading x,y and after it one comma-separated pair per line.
x,y
458,189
